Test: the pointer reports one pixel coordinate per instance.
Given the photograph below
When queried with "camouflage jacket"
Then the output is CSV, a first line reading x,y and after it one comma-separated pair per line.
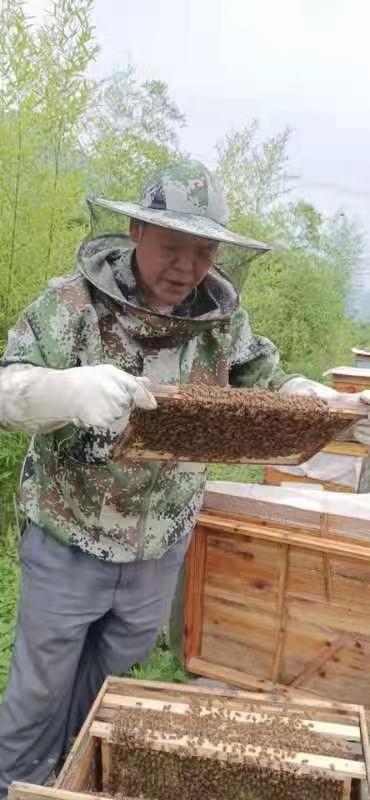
x,y
96,315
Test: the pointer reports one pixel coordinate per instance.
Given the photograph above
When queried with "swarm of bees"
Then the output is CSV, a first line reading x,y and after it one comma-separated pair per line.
x,y
212,423
244,761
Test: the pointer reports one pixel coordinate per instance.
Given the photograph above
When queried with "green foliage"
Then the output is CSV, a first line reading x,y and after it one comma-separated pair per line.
x,y
253,173
235,474
43,98
162,665
135,131
12,451
362,336
296,294
295,301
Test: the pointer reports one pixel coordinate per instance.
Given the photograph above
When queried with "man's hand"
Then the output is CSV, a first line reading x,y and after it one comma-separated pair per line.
x,y
101,395
39,399
361,429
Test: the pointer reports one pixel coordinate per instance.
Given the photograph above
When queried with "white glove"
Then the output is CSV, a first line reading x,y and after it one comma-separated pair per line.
x,y
360,431
307,387
38,399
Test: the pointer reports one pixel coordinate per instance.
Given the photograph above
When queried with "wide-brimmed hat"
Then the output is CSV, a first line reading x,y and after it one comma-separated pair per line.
x,y
183,196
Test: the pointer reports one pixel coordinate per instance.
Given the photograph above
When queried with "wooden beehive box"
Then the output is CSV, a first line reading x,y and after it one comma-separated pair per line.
x,y
362,357
278,591
349,379
277,476
335,765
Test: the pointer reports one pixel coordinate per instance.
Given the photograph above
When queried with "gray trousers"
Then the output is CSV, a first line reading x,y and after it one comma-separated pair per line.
x,y
79,620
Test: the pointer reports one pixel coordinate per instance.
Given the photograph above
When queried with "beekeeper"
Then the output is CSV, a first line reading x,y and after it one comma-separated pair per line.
x,y
103,544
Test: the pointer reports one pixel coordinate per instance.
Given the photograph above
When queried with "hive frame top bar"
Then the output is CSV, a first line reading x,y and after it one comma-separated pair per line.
x,y
340,407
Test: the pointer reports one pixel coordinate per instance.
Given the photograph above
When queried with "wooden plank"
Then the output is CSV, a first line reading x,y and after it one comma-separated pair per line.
x,y
120,686
194,588
306,762
365,743
281,612
248,578
218,672
347,787
242,636
346,449
75,772
136,453
345,674
228,523
343,408
170,690
334,729
300,522
350,385
275,477
265,708
283,515
282,693
28,791
106,764
324,531
327,653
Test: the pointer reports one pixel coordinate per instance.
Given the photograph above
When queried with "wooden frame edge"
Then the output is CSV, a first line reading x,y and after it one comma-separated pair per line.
x,y
80,746
29,791
194,592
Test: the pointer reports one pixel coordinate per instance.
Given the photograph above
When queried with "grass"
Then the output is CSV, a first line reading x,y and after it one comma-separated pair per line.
x,y
161,666
237,474
9,577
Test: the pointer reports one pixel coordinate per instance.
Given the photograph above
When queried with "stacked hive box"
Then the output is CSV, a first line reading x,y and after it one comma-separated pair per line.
x,y
350,379
362,358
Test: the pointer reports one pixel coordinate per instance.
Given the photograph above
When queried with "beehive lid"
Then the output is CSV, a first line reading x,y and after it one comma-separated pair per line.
x,y
227,494
348,372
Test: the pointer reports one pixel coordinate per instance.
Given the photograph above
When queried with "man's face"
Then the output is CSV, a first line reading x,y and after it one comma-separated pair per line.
x,y
170,264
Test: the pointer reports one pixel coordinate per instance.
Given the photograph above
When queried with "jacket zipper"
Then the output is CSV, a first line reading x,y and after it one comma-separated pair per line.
x,y
145,513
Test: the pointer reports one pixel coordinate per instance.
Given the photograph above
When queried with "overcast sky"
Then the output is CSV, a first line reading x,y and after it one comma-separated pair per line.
x,y
302,63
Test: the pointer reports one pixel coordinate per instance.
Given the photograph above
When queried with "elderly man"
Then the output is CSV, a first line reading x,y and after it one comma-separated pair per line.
x,y
103,546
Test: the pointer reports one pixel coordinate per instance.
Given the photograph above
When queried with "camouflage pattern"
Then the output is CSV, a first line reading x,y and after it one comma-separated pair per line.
x,y
183,196
186,187
93,316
